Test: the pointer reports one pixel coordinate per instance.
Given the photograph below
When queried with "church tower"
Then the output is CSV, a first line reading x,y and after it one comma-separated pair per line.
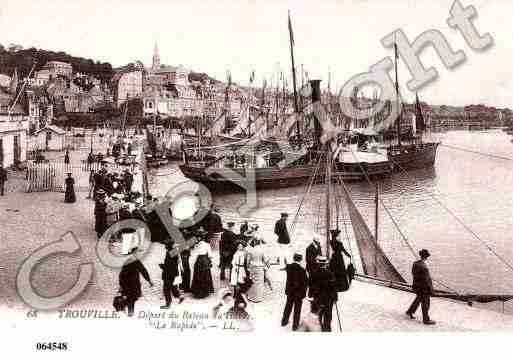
x,y
156,58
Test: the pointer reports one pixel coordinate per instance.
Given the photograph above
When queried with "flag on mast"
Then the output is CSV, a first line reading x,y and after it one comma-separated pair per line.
x,y
290,31
252,76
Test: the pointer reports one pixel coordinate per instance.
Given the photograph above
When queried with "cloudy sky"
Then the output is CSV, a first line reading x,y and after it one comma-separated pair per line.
x,y
341,36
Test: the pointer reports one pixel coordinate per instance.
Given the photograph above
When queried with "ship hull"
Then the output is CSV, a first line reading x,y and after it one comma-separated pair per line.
x,y
227,178
413,156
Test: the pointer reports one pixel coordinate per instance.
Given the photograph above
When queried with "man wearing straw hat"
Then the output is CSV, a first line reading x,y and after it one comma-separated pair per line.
x,y
312,252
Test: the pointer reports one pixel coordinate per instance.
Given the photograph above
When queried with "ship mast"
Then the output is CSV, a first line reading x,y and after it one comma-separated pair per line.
x,y
296,105
400,114
316,98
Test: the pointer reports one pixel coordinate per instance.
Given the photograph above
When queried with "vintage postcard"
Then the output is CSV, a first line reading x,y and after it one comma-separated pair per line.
x,y
210,168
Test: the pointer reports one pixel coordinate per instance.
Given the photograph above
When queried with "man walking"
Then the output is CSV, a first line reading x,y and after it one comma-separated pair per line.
x,y
295,289
280,229
423,288
3,179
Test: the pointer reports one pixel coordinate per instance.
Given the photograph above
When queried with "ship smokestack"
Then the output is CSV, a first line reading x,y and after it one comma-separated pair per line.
x,y
316,101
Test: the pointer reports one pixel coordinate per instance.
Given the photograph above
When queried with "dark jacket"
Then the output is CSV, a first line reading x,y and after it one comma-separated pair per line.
x,y
214,224
297,281
170,267
323,286
280,229
228,246
244,228
312,252
129,280
422,282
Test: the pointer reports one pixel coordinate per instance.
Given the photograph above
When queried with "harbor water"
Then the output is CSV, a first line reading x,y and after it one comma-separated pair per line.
x,y
460,210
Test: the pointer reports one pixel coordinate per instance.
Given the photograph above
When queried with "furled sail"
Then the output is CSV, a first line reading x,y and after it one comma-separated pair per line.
x,y
219,124
374,261
243,122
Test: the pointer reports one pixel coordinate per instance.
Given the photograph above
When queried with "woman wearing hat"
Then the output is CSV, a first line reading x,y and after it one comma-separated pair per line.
x,y
337,264
257,265
130,282
69,195
202,284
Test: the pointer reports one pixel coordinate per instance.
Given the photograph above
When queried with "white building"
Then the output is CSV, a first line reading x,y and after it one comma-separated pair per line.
x,y
127,84
13,132
51,138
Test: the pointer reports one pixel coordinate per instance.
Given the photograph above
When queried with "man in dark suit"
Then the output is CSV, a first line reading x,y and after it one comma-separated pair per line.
x,y
170,270
324,290
280,229
423,288
295,289
312,252
227,249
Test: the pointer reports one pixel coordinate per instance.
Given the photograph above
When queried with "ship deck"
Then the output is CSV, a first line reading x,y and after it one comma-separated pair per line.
x,y
362,156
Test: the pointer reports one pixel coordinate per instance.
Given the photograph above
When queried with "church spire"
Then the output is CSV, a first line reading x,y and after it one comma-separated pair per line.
x,y
156,57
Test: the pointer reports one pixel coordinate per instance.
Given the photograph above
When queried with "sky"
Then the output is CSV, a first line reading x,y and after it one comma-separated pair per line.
x,y
341,37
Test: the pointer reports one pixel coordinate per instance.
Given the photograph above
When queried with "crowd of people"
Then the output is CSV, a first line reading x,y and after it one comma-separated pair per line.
x,y
244,266
113,195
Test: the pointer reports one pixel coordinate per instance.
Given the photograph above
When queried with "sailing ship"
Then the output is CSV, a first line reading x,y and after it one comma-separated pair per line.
x,y
259,156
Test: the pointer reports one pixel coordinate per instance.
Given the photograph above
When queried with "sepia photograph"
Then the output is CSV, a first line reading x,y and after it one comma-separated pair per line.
x,y
175,169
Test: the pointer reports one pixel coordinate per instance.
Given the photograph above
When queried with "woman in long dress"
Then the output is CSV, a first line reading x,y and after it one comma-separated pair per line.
x,y
202,285
238,271
257,265
337,264
69,195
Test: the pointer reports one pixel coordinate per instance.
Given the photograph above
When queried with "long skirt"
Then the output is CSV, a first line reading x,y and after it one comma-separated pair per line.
x,y
69,195
186,275
338,268
202,285
256,291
